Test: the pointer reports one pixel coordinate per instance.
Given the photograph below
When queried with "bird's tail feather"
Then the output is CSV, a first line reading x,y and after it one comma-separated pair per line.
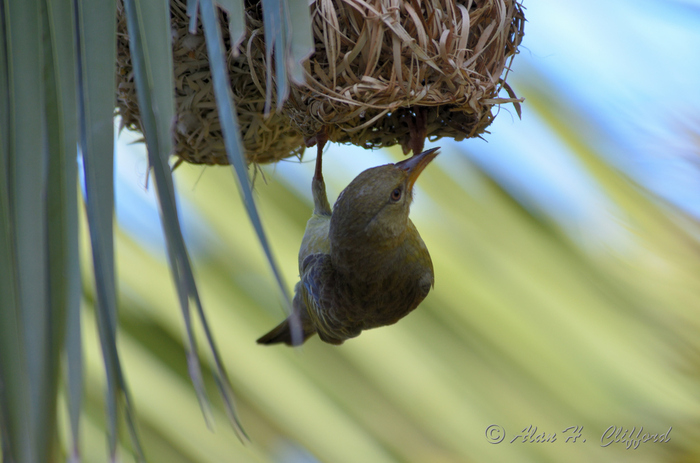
x,y
282,333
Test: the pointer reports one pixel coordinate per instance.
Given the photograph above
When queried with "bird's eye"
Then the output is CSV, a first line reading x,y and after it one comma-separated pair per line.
x,y
396,194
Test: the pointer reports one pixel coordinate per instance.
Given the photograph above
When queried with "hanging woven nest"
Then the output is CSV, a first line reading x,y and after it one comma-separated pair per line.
x,y
198,136
389,72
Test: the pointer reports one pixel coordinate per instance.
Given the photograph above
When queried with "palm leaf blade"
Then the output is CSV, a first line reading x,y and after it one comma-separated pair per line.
x,y
62,200
236,21
97,35
150,51
25,181
14,399
301,38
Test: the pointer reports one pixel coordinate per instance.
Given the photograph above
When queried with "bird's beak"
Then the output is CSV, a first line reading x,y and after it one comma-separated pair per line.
x,y
415,164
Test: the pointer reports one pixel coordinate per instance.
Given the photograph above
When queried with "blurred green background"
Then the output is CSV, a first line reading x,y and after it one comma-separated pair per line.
x,y
567,261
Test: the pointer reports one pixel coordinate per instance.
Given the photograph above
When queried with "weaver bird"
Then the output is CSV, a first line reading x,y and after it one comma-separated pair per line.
x,y
363,264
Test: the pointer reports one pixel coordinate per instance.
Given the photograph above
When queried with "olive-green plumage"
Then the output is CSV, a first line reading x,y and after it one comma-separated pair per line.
x,y
364,264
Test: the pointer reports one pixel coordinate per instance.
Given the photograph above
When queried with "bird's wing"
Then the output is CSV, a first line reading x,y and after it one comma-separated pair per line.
x,y
317,280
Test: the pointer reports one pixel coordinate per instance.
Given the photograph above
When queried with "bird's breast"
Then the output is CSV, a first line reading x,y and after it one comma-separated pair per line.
x,y
376,285
382,298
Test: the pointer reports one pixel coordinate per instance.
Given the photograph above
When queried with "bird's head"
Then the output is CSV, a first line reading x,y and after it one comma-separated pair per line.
x,y
374,207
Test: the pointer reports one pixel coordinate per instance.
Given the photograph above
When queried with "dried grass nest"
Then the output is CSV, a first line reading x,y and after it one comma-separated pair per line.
x,y
198,136
391,72
384,72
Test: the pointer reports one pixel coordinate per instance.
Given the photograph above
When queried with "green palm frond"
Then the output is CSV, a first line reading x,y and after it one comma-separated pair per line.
x,y
57,92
